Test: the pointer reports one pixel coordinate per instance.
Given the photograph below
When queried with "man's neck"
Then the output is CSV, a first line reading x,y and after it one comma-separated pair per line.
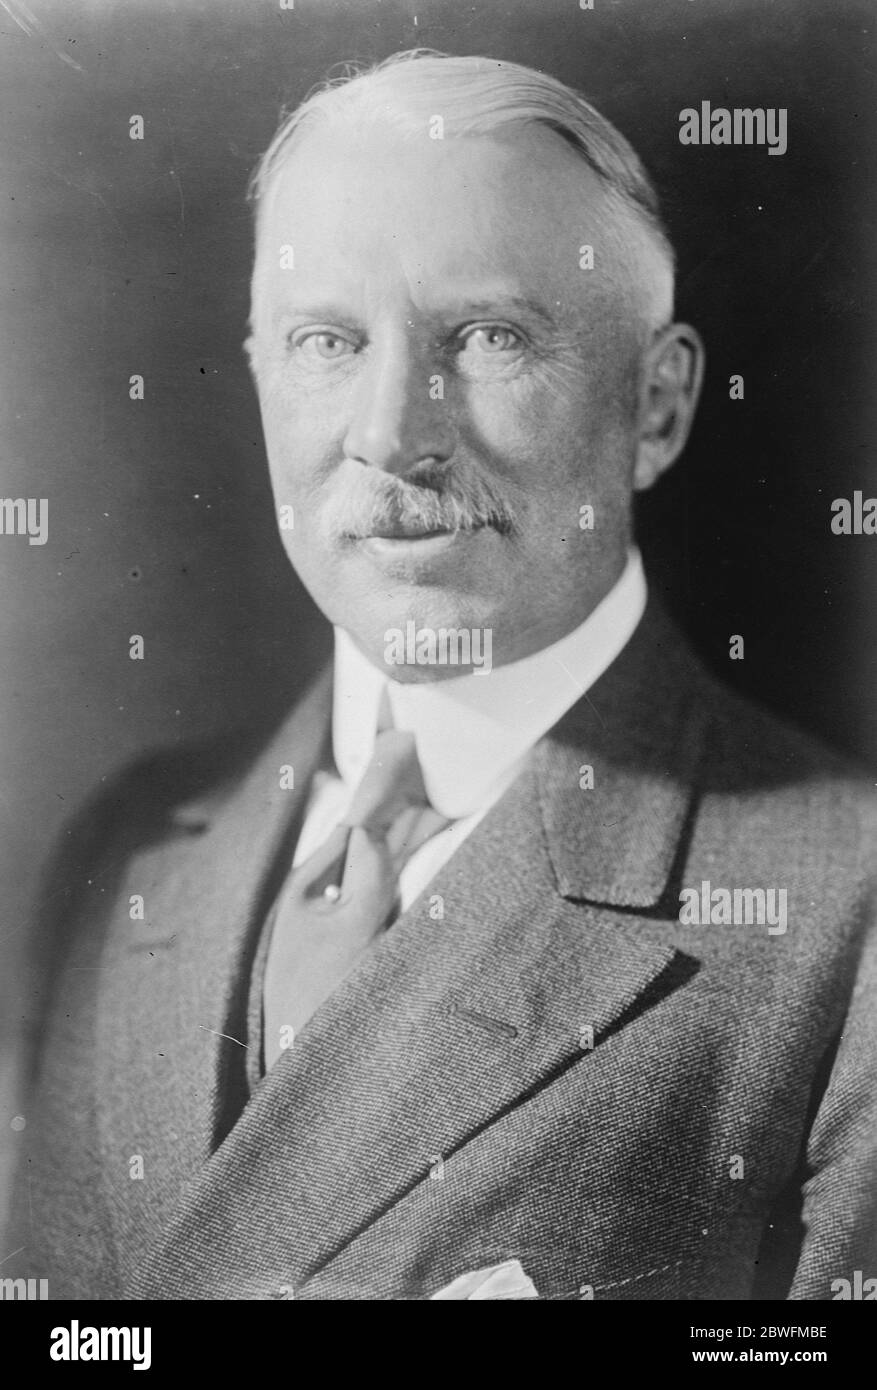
x,y
471,730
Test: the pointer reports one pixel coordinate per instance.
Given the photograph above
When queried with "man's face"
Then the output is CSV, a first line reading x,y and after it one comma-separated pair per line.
x,y
444,386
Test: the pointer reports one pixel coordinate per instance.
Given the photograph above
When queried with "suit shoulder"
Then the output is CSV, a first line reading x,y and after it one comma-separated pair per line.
x,y
753,752
135,806
170,789
148,788
757,738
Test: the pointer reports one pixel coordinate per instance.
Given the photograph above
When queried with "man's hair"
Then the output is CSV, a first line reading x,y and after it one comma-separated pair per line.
x,y
478,96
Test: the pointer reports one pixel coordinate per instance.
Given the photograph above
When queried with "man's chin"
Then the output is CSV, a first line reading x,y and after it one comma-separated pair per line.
x,y
385,590
415,642
425,675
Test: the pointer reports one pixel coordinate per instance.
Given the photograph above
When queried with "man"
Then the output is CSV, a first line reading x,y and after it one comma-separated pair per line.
x,y
524,960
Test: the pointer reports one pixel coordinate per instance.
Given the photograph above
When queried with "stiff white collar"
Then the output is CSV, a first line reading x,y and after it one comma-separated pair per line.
x,y
473,731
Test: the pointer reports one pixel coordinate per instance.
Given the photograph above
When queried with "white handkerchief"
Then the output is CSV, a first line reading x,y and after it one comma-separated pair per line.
x,y
507,1280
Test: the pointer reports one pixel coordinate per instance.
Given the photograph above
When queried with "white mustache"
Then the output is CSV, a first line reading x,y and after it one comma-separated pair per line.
x,y
432,499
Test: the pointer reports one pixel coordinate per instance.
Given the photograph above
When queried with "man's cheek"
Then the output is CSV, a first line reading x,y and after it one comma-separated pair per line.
x,y
300,449
533,418
500,438
309,556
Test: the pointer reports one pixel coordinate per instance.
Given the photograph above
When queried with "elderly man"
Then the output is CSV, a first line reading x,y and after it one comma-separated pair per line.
x,y
524,960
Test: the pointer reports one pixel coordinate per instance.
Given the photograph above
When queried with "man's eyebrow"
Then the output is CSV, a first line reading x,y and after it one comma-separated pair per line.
x,y
316,310
459,309
499,307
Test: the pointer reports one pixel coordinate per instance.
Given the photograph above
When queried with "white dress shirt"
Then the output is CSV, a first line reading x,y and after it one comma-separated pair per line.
x,y
473,732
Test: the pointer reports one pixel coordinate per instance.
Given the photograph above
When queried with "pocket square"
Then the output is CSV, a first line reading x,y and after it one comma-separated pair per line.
x,y
507,1280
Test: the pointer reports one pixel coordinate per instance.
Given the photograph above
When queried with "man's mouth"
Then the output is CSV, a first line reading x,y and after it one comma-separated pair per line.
x,y
406,544
402,531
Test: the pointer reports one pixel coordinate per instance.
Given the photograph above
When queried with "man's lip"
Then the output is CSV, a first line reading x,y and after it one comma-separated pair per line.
x,y
399,533
417,547
402,533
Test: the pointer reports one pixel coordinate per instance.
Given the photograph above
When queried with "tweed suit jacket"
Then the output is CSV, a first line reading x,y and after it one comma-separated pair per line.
x,y
537,1061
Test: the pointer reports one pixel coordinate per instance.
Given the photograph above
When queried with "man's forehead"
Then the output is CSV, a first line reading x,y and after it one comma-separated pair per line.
x,y
318,150
333,289
499,217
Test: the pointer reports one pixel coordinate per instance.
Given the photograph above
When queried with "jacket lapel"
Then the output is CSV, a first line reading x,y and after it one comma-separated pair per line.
x,y
523,952
638,736
170,1035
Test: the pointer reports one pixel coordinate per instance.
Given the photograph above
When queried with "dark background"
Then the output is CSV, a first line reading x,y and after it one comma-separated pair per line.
x,y
123,257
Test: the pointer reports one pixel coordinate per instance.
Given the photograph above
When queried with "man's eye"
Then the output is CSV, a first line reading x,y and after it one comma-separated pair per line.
x,y
490,338
330,346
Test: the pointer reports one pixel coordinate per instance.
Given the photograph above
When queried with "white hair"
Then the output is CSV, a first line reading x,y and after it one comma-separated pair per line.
x,y
478,96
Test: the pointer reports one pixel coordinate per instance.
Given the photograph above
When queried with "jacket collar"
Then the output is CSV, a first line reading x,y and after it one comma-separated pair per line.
x,y
638,735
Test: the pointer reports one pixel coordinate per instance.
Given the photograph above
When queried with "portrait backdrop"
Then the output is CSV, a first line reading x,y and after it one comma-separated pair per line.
x,y
129,257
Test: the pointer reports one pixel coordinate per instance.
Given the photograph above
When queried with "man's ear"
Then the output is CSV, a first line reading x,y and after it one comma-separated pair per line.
x,y
670,382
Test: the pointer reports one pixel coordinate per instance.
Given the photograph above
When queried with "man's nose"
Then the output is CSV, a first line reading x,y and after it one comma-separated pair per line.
x,y
400,416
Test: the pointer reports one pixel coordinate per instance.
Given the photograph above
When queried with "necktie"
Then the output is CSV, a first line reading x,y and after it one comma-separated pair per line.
x,y
335,903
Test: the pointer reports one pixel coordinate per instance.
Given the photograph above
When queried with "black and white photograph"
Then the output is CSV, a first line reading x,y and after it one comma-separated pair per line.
x,y
438,563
